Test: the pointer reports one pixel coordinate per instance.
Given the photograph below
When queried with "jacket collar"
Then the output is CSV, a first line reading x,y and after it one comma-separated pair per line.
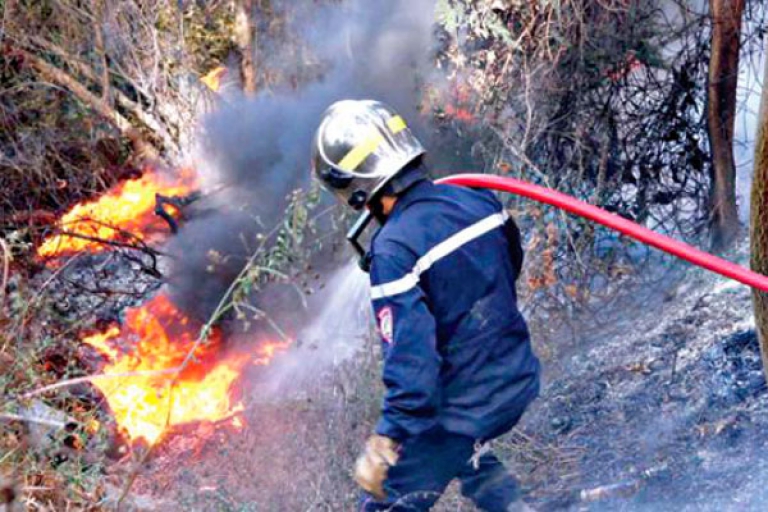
x,y
412,195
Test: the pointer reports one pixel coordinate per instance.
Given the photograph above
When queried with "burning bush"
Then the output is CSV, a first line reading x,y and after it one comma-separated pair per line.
x,y
124,214
164,378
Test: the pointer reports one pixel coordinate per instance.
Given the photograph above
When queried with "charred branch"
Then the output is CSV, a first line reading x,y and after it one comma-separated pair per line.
x,y
135,244
623,489
177,203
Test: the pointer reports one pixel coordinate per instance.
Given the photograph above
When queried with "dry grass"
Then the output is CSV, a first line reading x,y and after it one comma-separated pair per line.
x,y
50,467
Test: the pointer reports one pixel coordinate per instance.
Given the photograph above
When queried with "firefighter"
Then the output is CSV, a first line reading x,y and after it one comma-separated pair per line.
x,y
458,366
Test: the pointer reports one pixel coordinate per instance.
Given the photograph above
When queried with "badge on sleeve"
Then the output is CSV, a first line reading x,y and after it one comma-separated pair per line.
x,y
386,323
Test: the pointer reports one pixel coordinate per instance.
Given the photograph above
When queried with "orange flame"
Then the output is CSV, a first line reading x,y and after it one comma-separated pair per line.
x,y
162,336
126,208
214,77
454,102
268,351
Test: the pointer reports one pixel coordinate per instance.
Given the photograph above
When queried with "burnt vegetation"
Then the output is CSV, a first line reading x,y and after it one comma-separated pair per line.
x,y
606,100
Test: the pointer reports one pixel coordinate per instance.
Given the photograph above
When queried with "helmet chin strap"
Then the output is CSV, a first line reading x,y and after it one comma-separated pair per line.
x,y
353,236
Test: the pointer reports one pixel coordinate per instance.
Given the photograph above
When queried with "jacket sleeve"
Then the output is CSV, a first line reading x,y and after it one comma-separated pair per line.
x,y
411,360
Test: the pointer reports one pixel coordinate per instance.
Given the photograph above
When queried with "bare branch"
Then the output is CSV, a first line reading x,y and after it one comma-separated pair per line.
x,y
169,144
56,75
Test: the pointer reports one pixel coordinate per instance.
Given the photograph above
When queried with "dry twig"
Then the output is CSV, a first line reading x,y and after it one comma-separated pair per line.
x,y
6,269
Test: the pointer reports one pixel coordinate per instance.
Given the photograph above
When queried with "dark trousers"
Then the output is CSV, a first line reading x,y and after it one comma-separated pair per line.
x,y
429,462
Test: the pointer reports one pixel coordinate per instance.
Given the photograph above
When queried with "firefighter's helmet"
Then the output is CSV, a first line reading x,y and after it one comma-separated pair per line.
x,y
359,147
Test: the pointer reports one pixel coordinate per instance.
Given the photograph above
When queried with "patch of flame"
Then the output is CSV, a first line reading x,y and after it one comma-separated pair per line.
x,y
93,426
213,78
161,337
454,102
268,351
126,208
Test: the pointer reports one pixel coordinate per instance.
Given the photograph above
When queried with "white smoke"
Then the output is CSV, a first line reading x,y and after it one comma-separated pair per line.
x,y
751,74
340,328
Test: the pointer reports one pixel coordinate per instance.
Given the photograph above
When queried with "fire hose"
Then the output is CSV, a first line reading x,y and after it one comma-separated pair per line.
x,y
612,221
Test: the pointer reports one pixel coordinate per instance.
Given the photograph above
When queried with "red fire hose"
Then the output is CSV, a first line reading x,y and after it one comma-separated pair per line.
x,y
613,221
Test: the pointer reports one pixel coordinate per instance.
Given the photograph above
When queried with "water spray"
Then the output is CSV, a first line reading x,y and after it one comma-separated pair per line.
x,y
612,221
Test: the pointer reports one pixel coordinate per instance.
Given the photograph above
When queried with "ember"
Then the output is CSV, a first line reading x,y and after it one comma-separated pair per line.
x,y
160,337
126,212
453,103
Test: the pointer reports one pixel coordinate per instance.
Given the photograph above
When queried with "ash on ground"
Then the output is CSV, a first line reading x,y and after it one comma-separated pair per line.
x,y
100,286
675,388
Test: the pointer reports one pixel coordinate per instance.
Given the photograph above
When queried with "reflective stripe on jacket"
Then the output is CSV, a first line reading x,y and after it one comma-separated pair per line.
x,y
456,348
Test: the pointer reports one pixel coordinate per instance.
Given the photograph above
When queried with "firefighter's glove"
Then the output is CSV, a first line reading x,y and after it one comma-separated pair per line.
x,y
372,466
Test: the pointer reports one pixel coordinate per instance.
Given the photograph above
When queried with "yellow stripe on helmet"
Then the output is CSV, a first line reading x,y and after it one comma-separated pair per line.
x,y
359,153
396,125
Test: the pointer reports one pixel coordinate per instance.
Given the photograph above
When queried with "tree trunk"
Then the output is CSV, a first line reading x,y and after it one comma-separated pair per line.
x,y
723,81
245,38
759,221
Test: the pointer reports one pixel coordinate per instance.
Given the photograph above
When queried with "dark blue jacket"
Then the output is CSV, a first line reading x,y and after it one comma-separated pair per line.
x,y
456,349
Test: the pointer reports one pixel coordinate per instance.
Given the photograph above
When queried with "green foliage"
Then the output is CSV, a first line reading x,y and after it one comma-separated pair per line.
x,y
477,18
289,246
279,257
207,34
448,15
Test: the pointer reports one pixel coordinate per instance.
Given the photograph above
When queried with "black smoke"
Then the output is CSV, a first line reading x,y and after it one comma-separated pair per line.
x,y
255,151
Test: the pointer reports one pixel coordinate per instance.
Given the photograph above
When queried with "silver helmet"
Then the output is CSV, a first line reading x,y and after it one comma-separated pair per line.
x,y
359,147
